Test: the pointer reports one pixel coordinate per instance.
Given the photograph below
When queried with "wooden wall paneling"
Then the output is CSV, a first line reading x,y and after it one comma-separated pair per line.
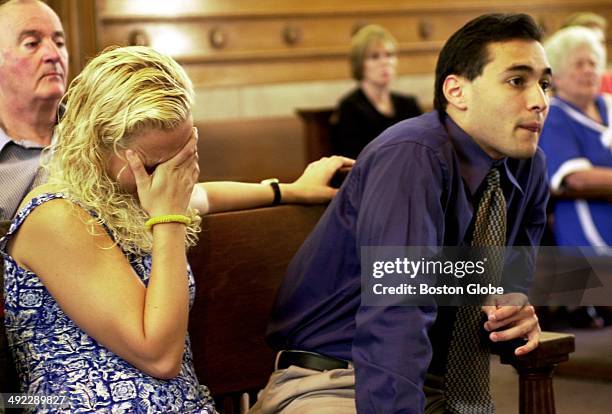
x,y
255,52
80,22
233,43
231,8
264,37
224,74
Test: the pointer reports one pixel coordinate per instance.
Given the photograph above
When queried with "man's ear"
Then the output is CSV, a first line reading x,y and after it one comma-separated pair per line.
x,y
456,91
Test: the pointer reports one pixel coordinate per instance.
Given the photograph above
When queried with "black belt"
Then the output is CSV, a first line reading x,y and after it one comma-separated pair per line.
x,y
309,360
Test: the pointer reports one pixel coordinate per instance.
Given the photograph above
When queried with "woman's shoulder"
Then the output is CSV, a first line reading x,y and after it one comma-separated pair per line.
x,y
352,97
52,191
49,210
606,99
51,222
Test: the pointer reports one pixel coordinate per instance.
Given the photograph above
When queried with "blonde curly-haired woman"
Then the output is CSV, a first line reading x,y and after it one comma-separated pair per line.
x,y
97,284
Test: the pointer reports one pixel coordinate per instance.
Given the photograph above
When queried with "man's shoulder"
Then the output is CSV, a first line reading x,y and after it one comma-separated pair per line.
x,y
425,130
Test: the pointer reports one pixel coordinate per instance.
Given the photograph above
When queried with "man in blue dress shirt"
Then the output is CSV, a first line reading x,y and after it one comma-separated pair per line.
x,y
417,184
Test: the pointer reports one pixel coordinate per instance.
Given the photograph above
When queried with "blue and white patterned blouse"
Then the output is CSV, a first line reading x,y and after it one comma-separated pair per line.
x,y
55,357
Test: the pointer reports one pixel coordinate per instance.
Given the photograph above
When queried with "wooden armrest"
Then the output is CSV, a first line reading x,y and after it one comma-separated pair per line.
x,y
554,348
535,371
581,195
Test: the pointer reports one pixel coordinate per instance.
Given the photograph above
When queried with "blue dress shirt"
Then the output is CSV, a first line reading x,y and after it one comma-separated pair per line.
x,y
416,184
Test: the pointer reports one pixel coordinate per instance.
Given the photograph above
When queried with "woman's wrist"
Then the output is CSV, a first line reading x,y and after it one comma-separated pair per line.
x,y
167,219
290,194
274,185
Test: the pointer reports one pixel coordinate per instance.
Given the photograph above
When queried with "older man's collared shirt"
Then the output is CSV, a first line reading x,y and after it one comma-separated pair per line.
x,y
19,167
416,184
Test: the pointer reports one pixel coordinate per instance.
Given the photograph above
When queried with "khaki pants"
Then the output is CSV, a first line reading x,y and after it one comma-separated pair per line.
x,y
297,390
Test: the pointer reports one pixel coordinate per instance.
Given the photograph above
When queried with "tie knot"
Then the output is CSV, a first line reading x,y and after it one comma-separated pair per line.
x,y
493,178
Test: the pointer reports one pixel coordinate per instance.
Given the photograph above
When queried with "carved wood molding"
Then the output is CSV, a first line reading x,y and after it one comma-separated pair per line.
x,y
232,42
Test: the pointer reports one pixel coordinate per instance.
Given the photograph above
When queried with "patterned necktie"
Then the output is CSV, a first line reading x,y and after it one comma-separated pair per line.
x,y
467,375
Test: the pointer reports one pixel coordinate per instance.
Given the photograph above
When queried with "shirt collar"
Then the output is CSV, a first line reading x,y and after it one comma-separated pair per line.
x,y
600,103
5,139
474,163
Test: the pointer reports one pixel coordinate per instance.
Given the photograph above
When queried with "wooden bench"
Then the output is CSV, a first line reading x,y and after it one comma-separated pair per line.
x,y
251,149
238,264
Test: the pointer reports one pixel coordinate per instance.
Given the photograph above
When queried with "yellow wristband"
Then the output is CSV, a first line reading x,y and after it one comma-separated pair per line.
x,y
168,218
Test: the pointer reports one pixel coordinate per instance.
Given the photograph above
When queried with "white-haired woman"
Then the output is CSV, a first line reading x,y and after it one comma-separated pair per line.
x,y
97,284
576,137
577,140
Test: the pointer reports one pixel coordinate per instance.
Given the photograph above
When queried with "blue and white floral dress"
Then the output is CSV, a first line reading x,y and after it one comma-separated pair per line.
x,y
55,357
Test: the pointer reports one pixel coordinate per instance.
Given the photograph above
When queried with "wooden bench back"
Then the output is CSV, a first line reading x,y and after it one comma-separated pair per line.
x,y
317,131
238,264
251,149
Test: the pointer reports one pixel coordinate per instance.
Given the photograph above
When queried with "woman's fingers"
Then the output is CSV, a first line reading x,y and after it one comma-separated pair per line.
x,y
185,155
141,177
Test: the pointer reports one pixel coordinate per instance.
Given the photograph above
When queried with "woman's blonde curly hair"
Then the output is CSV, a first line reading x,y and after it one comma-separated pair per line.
x,y
120,93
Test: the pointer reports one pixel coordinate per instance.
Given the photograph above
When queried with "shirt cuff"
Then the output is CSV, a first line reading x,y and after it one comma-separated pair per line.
x,y
567,168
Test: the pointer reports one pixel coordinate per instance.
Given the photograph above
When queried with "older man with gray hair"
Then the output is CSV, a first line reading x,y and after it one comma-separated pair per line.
x,y
33,73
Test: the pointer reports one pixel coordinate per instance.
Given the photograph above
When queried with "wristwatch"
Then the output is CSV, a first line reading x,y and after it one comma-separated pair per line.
x,y
276,188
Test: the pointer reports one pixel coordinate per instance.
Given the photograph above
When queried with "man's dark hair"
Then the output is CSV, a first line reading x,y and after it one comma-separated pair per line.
x,y
465,53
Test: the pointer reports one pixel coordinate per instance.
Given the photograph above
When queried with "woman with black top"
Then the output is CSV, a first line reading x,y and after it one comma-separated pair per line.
x,y
371,107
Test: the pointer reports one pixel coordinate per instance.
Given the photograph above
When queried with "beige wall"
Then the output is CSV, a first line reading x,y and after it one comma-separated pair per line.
x,y
281,99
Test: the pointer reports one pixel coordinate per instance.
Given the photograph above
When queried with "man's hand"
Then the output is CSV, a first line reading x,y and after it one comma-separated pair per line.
x,y
514,313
